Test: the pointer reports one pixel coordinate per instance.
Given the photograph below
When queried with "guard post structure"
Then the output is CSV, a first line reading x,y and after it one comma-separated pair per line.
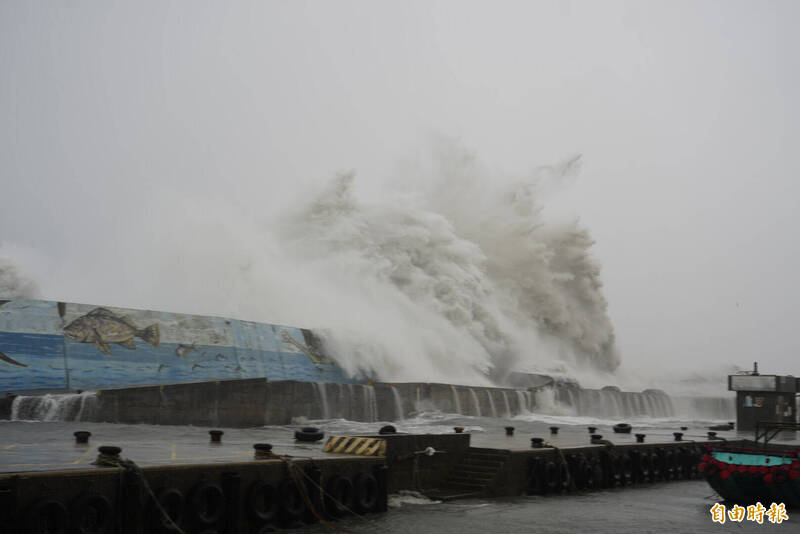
x,y
764,398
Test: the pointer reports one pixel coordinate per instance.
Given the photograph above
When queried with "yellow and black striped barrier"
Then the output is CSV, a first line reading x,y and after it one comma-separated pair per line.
x,y
356,445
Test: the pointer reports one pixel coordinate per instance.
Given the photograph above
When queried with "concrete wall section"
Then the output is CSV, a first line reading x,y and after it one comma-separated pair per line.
x,y
65,346
210,498
255,402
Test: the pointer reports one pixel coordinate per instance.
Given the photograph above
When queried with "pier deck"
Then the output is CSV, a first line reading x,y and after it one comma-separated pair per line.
x,y
38,447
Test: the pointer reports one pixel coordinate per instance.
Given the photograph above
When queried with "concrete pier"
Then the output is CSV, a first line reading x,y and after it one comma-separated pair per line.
x,y
222,487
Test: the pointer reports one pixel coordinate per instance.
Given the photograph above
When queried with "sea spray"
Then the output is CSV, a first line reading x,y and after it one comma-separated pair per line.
x,y
12,283
457,281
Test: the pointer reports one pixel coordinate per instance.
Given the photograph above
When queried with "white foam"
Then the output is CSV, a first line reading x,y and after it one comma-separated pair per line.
x,y
407,497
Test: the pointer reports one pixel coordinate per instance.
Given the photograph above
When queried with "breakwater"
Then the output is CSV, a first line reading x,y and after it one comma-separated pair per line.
x,y
256,402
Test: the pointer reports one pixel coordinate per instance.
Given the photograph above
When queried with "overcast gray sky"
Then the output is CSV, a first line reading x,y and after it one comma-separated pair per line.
x,y
685,113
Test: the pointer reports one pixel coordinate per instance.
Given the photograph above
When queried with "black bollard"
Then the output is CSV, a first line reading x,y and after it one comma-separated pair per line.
x,y
387,429
640,438
678,436
684,428
712,435
263,451
592,429
109,450
82,436
458,429
595,437
509,431
108,456
537,443
554,430
216,436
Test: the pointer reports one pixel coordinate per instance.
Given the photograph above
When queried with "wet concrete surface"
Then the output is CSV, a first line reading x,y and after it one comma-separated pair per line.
x,y
28,446
33,446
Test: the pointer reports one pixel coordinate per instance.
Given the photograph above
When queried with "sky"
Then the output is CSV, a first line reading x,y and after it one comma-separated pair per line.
x,y
144,147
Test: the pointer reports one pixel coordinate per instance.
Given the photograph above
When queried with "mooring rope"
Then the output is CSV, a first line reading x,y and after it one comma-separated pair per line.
x,y
108,460
293,469
570,481
125,464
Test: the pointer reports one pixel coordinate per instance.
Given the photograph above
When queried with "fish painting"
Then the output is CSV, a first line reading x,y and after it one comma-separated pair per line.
x,y
183,350
102,327
12,361
311,351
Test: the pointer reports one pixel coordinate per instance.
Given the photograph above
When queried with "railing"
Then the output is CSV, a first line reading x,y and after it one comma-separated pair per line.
x,y
767,430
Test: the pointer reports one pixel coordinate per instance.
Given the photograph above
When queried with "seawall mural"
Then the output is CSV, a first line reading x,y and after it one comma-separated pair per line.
x,y
58,345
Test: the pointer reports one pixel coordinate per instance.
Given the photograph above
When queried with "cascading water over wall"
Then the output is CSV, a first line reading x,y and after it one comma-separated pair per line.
x,y
363,402
55,407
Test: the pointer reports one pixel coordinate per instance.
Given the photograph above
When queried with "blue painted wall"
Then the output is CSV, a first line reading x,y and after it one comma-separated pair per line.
x,y
49,345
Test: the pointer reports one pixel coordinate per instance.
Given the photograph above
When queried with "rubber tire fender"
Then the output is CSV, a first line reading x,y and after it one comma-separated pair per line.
x,y
102,512
366,492
309,434
262,502
48,516
292,505
656,471
551,477
339,496
535,476
208,502
171,499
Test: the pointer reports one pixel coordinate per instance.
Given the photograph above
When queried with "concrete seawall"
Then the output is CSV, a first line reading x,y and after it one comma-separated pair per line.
x,y
257,401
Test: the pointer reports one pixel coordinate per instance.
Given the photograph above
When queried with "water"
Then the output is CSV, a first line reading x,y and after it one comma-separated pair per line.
x,y
398,404
456,400
491,403
319,387
54,407
370,404
476,406
360,402
652,509
523,401
508,406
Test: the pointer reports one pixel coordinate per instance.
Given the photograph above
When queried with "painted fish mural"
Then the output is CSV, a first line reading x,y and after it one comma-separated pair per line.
x,y
12,361
63,345
311,350
103,327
